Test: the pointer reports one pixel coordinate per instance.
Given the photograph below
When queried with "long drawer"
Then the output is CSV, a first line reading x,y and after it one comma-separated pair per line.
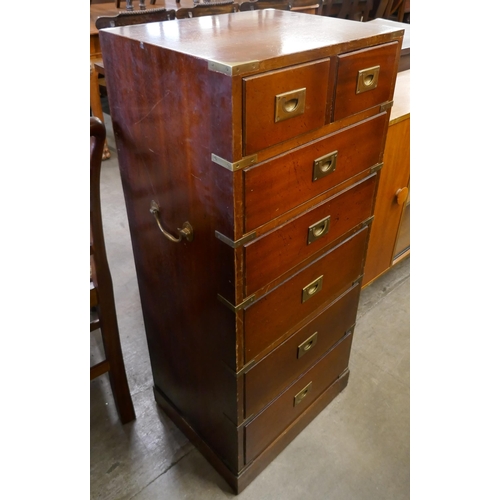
x,y
282,249
276,186
275,316
286,363
262,430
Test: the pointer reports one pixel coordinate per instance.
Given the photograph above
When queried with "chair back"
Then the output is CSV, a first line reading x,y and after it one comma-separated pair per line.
x,y
397,10
265,4
135,17
207,9
355,10
306,6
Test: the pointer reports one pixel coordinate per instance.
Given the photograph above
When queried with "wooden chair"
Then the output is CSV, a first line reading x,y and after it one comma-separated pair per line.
x,y
265,4
135,17
396,10
355,10
142,4
306,6
207,9
101,287
97,71
130,6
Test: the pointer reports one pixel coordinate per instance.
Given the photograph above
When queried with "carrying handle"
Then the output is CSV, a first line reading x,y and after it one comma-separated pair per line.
x,y
186,231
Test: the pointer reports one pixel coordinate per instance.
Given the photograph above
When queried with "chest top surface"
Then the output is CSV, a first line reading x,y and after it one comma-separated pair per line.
x,y
256,35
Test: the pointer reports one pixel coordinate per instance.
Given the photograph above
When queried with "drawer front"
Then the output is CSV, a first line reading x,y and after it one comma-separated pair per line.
x,y
274,187
267,426
275,253
282,104
285,364
365,78
274,316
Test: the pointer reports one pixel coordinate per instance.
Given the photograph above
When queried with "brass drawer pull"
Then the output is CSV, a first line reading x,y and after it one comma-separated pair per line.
x,y
367,79
289,104
312,289
299,397
318,230
307,345
186,231
325,165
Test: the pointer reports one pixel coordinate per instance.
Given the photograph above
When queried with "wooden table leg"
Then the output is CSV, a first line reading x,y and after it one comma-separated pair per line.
x,y
95,104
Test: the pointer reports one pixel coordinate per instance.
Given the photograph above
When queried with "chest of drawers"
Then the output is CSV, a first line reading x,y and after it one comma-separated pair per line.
x,y
256,140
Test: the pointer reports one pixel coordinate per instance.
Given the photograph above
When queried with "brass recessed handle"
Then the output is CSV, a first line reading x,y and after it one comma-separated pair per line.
x,y
318,230
312,289
401,195
307,345
186,231
289,104
299,397
325,165
367,79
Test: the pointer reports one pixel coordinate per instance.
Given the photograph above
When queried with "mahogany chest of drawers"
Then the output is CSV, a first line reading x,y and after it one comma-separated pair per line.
x,y
249,147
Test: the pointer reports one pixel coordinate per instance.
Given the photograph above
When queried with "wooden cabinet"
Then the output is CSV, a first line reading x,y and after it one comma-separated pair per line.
x,y
390,234
263,144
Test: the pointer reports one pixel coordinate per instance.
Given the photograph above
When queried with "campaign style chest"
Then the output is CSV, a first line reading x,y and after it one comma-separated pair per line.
x,y
249,147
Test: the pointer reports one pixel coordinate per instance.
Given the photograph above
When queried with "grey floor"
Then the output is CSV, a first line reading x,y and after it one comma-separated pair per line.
x,y
358,448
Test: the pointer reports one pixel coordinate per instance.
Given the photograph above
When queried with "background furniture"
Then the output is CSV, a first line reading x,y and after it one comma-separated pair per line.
x,y
304,6
265,4
250,214
396,10
134,17
101,287
355,10
390,234
404,58
209,9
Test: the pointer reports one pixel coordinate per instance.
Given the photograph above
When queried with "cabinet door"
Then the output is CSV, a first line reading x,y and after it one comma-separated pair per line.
x,y
394,179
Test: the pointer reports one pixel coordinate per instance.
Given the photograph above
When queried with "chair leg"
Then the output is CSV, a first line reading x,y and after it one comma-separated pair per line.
x,y
95,104
114,355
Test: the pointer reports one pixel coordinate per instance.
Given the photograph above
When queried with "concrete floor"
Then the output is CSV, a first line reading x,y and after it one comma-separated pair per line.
x,y
358,448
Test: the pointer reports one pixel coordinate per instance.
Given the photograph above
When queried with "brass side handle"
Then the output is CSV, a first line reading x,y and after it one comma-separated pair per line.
x,y
401,195
318,230
289,104
185,232
367,79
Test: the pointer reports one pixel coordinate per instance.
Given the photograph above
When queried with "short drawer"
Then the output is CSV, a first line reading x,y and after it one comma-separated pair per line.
x,y
285,103
274,187
286,363
274,316
365,78
267,426
273,254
